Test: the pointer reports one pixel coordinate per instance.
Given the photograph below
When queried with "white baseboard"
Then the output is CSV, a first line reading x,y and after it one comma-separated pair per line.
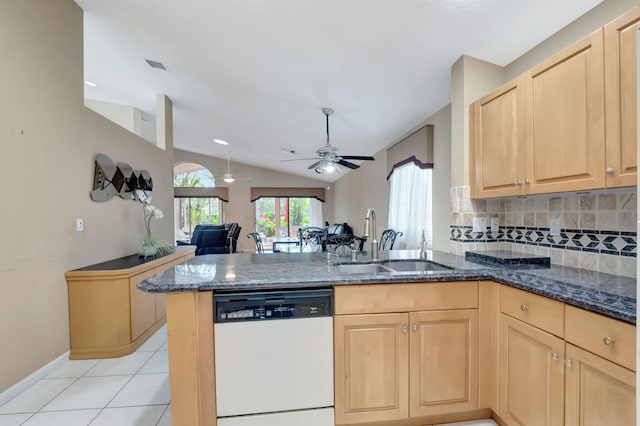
x,y
28,381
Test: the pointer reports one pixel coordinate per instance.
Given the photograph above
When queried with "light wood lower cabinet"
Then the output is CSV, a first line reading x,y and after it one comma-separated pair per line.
x,y
371,367
531,388
443,362
410,363
108,315
598,392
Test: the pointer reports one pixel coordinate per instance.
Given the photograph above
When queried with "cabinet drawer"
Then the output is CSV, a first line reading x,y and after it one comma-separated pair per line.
x,y
538,311
609,338
380,298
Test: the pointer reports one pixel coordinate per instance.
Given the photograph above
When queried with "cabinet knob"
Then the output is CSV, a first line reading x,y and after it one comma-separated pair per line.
x,y
568,363
415,327
526,181
405,329
609,170
518,183
524,308
608,340
554,356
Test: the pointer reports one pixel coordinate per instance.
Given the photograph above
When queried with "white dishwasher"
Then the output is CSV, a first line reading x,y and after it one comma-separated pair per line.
x,y
274,358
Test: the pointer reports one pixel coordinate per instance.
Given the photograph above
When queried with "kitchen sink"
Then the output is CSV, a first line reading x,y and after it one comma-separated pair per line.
x,y
414,265
363,268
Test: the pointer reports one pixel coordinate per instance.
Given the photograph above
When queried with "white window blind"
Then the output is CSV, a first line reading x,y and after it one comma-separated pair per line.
x,y
410,205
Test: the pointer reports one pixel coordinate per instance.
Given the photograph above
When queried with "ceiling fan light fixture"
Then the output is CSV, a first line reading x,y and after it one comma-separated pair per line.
x,y
326,167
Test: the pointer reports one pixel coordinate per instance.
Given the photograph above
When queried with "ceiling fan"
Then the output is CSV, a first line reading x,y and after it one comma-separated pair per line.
x,y
230,177
328,155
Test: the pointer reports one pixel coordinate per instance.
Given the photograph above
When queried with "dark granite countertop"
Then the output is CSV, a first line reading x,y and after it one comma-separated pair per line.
x,y
611,295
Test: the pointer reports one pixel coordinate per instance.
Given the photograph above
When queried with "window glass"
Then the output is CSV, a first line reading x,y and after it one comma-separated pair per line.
x,y
192,211
282,217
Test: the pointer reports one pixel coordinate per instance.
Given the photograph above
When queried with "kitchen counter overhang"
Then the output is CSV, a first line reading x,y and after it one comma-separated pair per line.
x,y
610,295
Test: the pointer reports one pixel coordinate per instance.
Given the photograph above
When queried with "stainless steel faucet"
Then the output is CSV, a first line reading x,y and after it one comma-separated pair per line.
x,y
370,230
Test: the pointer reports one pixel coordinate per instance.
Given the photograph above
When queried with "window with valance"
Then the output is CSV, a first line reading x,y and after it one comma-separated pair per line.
x,y
409,164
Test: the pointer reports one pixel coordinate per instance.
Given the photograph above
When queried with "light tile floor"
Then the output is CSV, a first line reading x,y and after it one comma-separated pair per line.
x,y
129,391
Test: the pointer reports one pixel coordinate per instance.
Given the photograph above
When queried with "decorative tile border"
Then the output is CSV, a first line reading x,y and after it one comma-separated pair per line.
x,y
616,243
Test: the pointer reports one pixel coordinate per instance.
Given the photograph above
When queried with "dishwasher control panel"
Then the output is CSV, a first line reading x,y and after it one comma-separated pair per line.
x,y
272,305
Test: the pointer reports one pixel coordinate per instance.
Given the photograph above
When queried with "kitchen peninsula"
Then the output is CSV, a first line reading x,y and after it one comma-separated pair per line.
x,y
590,314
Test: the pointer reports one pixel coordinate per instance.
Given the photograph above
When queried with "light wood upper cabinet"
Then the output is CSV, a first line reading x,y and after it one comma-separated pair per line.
x,y
443,362
371,367
598,392
531,387
564,124
620,77
497,150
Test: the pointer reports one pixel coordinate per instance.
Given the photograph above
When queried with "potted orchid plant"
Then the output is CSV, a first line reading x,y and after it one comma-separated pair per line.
x,y
153,246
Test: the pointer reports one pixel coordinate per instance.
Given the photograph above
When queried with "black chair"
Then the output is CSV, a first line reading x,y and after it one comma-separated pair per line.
x,y
388,239
341,244
212,241
311,235
258,240
232,237
208,239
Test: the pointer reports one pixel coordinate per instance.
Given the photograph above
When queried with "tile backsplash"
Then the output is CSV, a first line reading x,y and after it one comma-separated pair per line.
x,y
597,229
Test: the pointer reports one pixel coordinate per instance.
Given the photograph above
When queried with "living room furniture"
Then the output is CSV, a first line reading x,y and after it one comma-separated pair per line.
x,y
257,240
108,315
285,241
214,239
388,239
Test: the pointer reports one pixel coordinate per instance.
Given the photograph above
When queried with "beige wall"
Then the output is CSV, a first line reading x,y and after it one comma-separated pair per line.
x,y
368,187
240,208
360,189
441,122
48,144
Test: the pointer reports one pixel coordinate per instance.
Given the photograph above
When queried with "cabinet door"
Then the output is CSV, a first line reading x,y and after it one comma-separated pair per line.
x,y
443,362
143,305
598,392
497,157
531,375
371,367
564,129
620,74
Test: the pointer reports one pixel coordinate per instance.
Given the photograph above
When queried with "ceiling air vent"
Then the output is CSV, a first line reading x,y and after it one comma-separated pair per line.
x,y
155,64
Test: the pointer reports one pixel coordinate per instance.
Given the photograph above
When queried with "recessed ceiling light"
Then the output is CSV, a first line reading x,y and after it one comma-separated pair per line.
x,y
288,151
221,142
90,83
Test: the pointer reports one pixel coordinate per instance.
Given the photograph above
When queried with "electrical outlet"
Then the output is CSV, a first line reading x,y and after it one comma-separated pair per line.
x,y
554,225
494,224
479,224
79,224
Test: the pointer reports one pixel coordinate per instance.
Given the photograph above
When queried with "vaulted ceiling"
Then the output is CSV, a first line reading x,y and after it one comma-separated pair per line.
x,y
256,73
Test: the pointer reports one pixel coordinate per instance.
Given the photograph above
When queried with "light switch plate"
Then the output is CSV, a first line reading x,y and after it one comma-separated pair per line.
x,y
554,225
494,224
79,224
479,224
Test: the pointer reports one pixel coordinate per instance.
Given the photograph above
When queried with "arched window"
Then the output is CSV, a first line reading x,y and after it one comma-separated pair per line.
x,y
196,200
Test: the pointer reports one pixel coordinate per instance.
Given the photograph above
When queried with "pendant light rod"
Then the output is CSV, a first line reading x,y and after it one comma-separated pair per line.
x,y
327,112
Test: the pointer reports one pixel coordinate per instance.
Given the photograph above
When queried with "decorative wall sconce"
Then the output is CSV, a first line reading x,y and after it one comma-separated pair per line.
x,y
110,180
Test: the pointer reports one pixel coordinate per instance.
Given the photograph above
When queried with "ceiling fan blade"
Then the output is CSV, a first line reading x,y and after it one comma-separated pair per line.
x,y
357,157
300,159
314,165
347,164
